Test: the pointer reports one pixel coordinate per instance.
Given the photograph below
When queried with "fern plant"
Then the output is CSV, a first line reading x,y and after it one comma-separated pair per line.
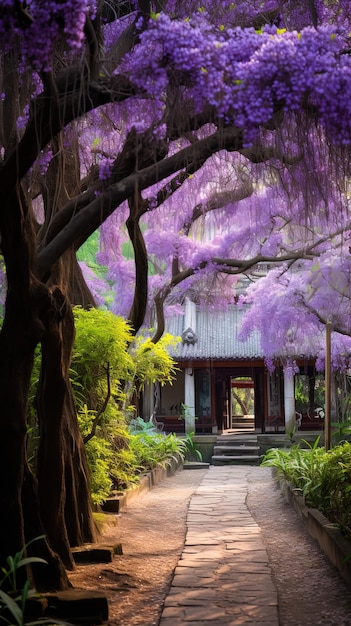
x,y
323,478
13,602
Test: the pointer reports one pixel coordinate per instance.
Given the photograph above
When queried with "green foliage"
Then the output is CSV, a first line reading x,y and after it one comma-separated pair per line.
x,y
101,462
143,451
242,399
139,425
155,449
152,361
14,563
191,451
323,478
87,254
100,355
106,361
186,412
302,392
335,490
103,449
125,470
341,431
108,367
13,604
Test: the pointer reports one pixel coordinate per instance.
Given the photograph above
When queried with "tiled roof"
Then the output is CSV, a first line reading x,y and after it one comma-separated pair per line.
x,y
217,337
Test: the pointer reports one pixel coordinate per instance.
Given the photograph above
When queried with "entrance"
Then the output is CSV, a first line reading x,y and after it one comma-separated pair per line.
x,y
230,397
242,405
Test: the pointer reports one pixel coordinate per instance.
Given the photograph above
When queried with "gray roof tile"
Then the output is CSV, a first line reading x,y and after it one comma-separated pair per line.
x,y
217,337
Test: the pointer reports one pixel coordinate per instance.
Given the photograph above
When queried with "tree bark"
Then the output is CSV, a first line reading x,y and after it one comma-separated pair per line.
x,y
63,473
64,487
21,331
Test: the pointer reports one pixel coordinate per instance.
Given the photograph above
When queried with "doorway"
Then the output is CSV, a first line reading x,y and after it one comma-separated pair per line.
x,y
242,404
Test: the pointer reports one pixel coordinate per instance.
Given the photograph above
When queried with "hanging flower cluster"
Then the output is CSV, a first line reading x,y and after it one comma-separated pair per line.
x,y
35,25
248,74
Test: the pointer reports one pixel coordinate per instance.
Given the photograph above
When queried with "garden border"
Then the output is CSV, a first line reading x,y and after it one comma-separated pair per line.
x,y
336,547
147,481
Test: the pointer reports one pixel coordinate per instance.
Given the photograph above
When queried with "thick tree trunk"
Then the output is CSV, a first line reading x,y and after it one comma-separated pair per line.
x,y
64,486
50,577
50,406
78,509
26,303
20,521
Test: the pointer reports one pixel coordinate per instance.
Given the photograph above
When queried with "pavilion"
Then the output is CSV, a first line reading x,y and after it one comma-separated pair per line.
x,y
213,363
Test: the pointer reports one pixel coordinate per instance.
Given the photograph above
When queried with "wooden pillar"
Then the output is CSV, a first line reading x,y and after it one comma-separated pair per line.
x,y
289,401
189,400
327,386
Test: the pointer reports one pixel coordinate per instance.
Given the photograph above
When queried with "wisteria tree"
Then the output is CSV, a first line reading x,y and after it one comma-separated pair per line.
x,y
134,109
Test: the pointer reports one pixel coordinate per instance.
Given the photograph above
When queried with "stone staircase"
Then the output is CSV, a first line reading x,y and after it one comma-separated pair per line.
x,y
243,422
236,449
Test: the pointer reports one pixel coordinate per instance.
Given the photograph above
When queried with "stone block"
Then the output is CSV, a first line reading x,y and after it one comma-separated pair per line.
x,y
74,606
95,553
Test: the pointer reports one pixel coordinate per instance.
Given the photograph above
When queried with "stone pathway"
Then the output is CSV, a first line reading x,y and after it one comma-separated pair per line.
x,y
223,576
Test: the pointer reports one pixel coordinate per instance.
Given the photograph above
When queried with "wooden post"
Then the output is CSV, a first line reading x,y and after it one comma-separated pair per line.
x,y
189,400
328,329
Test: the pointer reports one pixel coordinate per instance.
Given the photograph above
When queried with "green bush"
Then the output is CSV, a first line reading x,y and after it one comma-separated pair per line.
x,y
155,449
323,478
191,450
109,366
336,487
101,461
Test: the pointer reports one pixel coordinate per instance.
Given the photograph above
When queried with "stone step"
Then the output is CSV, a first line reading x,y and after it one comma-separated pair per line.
x,y
243,421
247,459
188,465
248,441
238,449
235,436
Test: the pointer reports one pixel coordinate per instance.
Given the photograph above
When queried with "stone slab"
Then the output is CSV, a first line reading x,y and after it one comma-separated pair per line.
x,y
72,606
95,553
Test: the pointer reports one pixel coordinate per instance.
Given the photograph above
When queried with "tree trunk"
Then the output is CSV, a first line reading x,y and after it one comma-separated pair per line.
x,y
50,577
20,521
26,304
68,519
64,485
50,406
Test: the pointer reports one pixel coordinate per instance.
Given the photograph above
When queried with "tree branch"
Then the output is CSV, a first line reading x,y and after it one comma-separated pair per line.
x,y
86,221
137,313
97,420
71,96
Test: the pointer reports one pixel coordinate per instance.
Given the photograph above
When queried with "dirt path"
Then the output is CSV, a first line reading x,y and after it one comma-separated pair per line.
x,y
310,590
152,530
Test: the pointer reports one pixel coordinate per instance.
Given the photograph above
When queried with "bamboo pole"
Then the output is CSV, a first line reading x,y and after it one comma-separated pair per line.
x,y
327,386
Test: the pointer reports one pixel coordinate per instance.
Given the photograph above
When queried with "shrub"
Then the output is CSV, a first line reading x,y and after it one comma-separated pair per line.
x,y
154,449
108,367
323,478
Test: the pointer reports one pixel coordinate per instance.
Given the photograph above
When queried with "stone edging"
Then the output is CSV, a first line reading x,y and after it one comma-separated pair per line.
x,y
336,547
147,481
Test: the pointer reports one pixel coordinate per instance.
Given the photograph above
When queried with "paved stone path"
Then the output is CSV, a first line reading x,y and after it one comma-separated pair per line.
x,y
223,577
